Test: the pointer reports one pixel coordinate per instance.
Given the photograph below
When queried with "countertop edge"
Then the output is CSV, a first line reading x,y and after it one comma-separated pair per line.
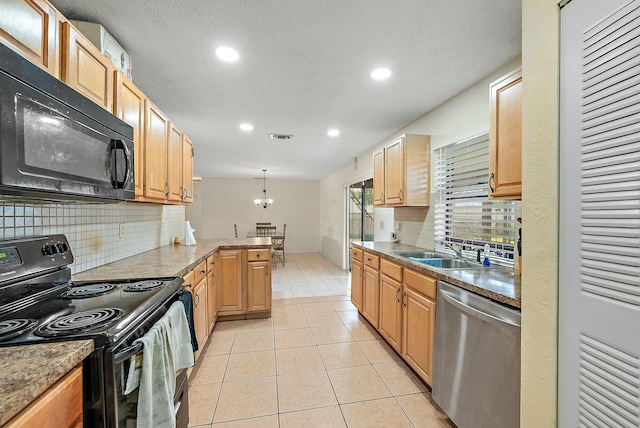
x,y
16,395
446,276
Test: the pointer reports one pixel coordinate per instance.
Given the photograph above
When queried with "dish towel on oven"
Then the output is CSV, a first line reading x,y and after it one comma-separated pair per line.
x,y
166,351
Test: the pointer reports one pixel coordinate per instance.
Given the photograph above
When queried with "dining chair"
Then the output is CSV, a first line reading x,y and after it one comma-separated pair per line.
x,y
235,230
265,230
277,246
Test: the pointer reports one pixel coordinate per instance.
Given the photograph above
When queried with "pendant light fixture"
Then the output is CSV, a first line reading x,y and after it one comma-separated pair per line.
x,y
264,202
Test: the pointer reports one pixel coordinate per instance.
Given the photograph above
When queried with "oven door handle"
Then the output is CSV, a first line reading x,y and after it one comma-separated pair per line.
x,y
128,352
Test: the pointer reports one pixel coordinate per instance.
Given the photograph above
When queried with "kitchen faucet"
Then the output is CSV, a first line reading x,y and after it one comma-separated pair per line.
x,y
457,250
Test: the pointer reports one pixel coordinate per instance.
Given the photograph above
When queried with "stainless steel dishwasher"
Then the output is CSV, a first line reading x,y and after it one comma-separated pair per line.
x,y
476,362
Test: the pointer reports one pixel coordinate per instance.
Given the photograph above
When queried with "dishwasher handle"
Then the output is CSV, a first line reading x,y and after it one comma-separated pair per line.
x,y
450,298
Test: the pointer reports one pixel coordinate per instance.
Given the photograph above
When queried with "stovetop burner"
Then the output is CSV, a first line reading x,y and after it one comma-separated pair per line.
x,y
15,327
143,285
87,291
80,321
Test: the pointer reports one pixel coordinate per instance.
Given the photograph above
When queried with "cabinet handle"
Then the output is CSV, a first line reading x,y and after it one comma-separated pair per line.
x,y
400,195
397,297
381,196
198,302
361,273
404,299
187,286
492,177
202,271
215,279
167,188
257,256
266,272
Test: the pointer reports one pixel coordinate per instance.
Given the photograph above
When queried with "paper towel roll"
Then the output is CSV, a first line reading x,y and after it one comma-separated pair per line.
x,y
188,233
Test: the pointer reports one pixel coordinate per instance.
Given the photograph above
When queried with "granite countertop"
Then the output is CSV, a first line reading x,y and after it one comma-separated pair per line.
x,y
170,260
27,371
497,283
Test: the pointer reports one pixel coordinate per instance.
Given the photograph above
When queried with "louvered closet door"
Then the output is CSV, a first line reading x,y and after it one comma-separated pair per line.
x,y
599,343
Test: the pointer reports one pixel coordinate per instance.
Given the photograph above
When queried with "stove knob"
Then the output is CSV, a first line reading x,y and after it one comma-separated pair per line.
x,y
46,250
60,248
54,249
65,247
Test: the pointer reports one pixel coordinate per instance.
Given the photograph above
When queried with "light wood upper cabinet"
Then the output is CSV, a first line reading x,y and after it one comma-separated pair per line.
x,y
129,105
505,137
85,68
187,170
30,28
157,129
174,164
378,178
405,176
59,406
230,281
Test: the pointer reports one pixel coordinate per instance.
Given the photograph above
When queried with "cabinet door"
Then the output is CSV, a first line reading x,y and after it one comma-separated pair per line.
x,y
212,291
418,322
371,295
30,28
85,68
230,281
391,311
128,105
200,324
357,279
259,286
187,170
378,177
155,152
394,172
174,164
505,137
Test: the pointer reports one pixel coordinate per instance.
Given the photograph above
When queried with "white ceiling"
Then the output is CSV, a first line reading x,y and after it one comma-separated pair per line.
x,y
304,68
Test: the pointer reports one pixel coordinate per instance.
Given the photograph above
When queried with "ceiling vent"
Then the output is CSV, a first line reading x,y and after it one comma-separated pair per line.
x,y
281,136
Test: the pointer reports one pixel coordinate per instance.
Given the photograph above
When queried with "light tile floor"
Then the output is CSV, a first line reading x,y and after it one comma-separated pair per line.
x,y
315,363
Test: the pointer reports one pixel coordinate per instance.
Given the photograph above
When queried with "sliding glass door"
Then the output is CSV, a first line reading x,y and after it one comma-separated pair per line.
x,y
360,213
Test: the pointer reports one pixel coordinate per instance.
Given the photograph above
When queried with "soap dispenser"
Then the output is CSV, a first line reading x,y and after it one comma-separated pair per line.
x,y
486,261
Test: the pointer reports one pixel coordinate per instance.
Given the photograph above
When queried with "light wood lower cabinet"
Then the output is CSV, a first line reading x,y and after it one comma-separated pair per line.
x,y
357,279
59,407
371,295
200,323
418,323
230,290
400,304
258,286
212,290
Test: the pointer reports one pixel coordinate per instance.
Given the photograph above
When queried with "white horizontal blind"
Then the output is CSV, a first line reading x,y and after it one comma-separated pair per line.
x,y
464,211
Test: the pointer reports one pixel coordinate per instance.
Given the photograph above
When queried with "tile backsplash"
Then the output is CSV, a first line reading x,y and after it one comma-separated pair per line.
x,y
94,230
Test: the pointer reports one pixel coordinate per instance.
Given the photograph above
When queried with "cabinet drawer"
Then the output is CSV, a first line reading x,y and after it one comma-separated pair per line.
x,y
372,261
356,254
210,262
390,269
199,271
258,255
423,284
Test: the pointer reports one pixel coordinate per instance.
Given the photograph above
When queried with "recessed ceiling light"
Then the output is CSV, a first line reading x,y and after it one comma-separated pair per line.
x,y
227,54
380,74
246,127
333,132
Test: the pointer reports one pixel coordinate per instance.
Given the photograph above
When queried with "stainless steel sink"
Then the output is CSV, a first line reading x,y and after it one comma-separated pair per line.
x,y
459,264
420,254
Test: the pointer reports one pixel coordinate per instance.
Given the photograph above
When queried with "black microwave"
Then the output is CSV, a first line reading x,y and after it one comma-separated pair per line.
x,y
56,144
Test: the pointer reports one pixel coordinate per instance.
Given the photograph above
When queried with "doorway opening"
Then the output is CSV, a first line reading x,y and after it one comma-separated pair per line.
x,y
360,213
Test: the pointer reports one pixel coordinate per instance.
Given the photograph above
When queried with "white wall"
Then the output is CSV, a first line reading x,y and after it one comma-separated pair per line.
x,y
219,203
463,116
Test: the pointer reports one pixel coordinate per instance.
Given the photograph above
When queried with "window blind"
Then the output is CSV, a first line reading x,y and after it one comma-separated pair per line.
x,y
463,211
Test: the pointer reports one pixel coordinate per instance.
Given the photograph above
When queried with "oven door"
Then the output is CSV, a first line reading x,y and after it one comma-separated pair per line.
x,y
52,150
